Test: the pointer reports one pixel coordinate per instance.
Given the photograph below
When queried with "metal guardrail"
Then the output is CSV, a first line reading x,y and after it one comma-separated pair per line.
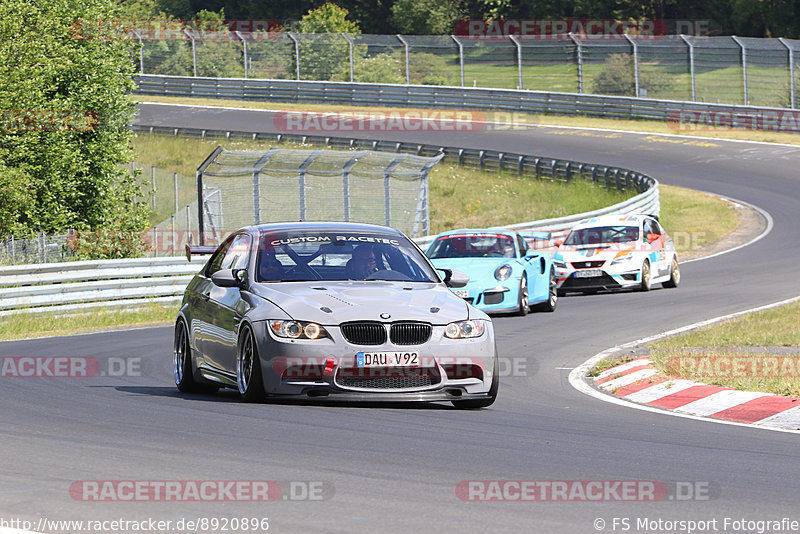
x,y
75,286
691,115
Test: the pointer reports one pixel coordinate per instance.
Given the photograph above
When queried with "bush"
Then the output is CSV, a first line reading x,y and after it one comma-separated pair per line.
x,y
424,69
618,78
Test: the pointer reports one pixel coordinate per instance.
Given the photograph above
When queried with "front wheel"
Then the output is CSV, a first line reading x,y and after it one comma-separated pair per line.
x,y
473,404
522,299
674,274
644,285
248,368
182,363
552,297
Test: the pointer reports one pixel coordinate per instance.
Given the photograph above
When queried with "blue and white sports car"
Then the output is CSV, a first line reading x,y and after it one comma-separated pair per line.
x,y
505,274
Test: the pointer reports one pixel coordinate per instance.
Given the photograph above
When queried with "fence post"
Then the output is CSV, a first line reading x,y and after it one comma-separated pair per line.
x,y
579,53
141,51
691,65
635,64
296,52
153,184
519,58
346,184
744,66
350,46
460,57
175,180
40,243
194,52
244,51
387,192
301,176
405,47
791,71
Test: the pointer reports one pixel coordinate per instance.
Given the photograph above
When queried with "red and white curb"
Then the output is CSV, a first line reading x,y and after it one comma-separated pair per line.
x,y
639,381
637,384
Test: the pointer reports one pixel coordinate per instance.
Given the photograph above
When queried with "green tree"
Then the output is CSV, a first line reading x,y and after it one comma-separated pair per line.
x,y
423,17
325,52
328,18
66,113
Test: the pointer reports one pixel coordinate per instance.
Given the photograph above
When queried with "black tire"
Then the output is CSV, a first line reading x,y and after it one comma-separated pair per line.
x,y
561,292
674,274
248,368
182,363
552,297
522,298
644,285
474,404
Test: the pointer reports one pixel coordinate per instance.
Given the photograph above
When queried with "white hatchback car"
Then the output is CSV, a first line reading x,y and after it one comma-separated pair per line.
x,y
616,252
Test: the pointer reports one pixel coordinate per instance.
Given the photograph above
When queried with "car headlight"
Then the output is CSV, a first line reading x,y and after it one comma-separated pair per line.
x,y
297,330
465,329
560,264
502,272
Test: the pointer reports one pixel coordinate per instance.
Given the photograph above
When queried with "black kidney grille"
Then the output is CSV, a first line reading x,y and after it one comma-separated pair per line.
x,y
410,333
364,333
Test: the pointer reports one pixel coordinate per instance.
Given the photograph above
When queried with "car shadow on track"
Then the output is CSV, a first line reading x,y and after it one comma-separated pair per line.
x,y
230,395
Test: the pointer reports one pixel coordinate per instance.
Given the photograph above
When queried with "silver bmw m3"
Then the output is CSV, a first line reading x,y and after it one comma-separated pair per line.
x,y
336,311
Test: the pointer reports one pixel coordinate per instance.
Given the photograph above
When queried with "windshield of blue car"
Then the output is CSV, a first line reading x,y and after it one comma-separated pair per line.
x,y
313,255
597,235
482,245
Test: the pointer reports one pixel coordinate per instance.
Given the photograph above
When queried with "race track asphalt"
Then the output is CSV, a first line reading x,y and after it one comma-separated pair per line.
x,y
396,469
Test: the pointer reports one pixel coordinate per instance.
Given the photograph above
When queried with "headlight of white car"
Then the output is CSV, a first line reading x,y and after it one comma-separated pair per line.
x,y
297,330
465,329
560,264
502,272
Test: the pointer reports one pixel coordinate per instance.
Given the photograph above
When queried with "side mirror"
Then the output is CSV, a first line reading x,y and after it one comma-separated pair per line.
x,y
652,237
229,277
558,242
454,278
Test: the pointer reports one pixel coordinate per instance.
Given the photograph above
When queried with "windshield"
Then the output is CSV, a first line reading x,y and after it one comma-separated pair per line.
x,y
329,255
602,234
474,245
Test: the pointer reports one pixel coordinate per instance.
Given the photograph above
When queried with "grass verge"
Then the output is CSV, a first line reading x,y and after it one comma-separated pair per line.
x,y
459,196
756,352
28,325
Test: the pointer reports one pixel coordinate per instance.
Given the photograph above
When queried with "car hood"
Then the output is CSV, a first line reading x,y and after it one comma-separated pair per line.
x,y
337,302
601,252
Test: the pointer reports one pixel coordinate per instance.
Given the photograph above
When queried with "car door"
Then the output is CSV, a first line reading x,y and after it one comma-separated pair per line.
x,y
199,309
226,309
538,284
658,255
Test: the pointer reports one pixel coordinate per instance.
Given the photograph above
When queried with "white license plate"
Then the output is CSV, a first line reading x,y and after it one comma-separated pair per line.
x,y
588,273
387,359
463,293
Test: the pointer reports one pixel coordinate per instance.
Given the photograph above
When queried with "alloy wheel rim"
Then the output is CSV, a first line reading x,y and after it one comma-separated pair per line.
x,y
180,354
245,366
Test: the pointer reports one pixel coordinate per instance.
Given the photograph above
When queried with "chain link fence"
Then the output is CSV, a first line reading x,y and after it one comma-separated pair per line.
x,y
275,185
729,70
